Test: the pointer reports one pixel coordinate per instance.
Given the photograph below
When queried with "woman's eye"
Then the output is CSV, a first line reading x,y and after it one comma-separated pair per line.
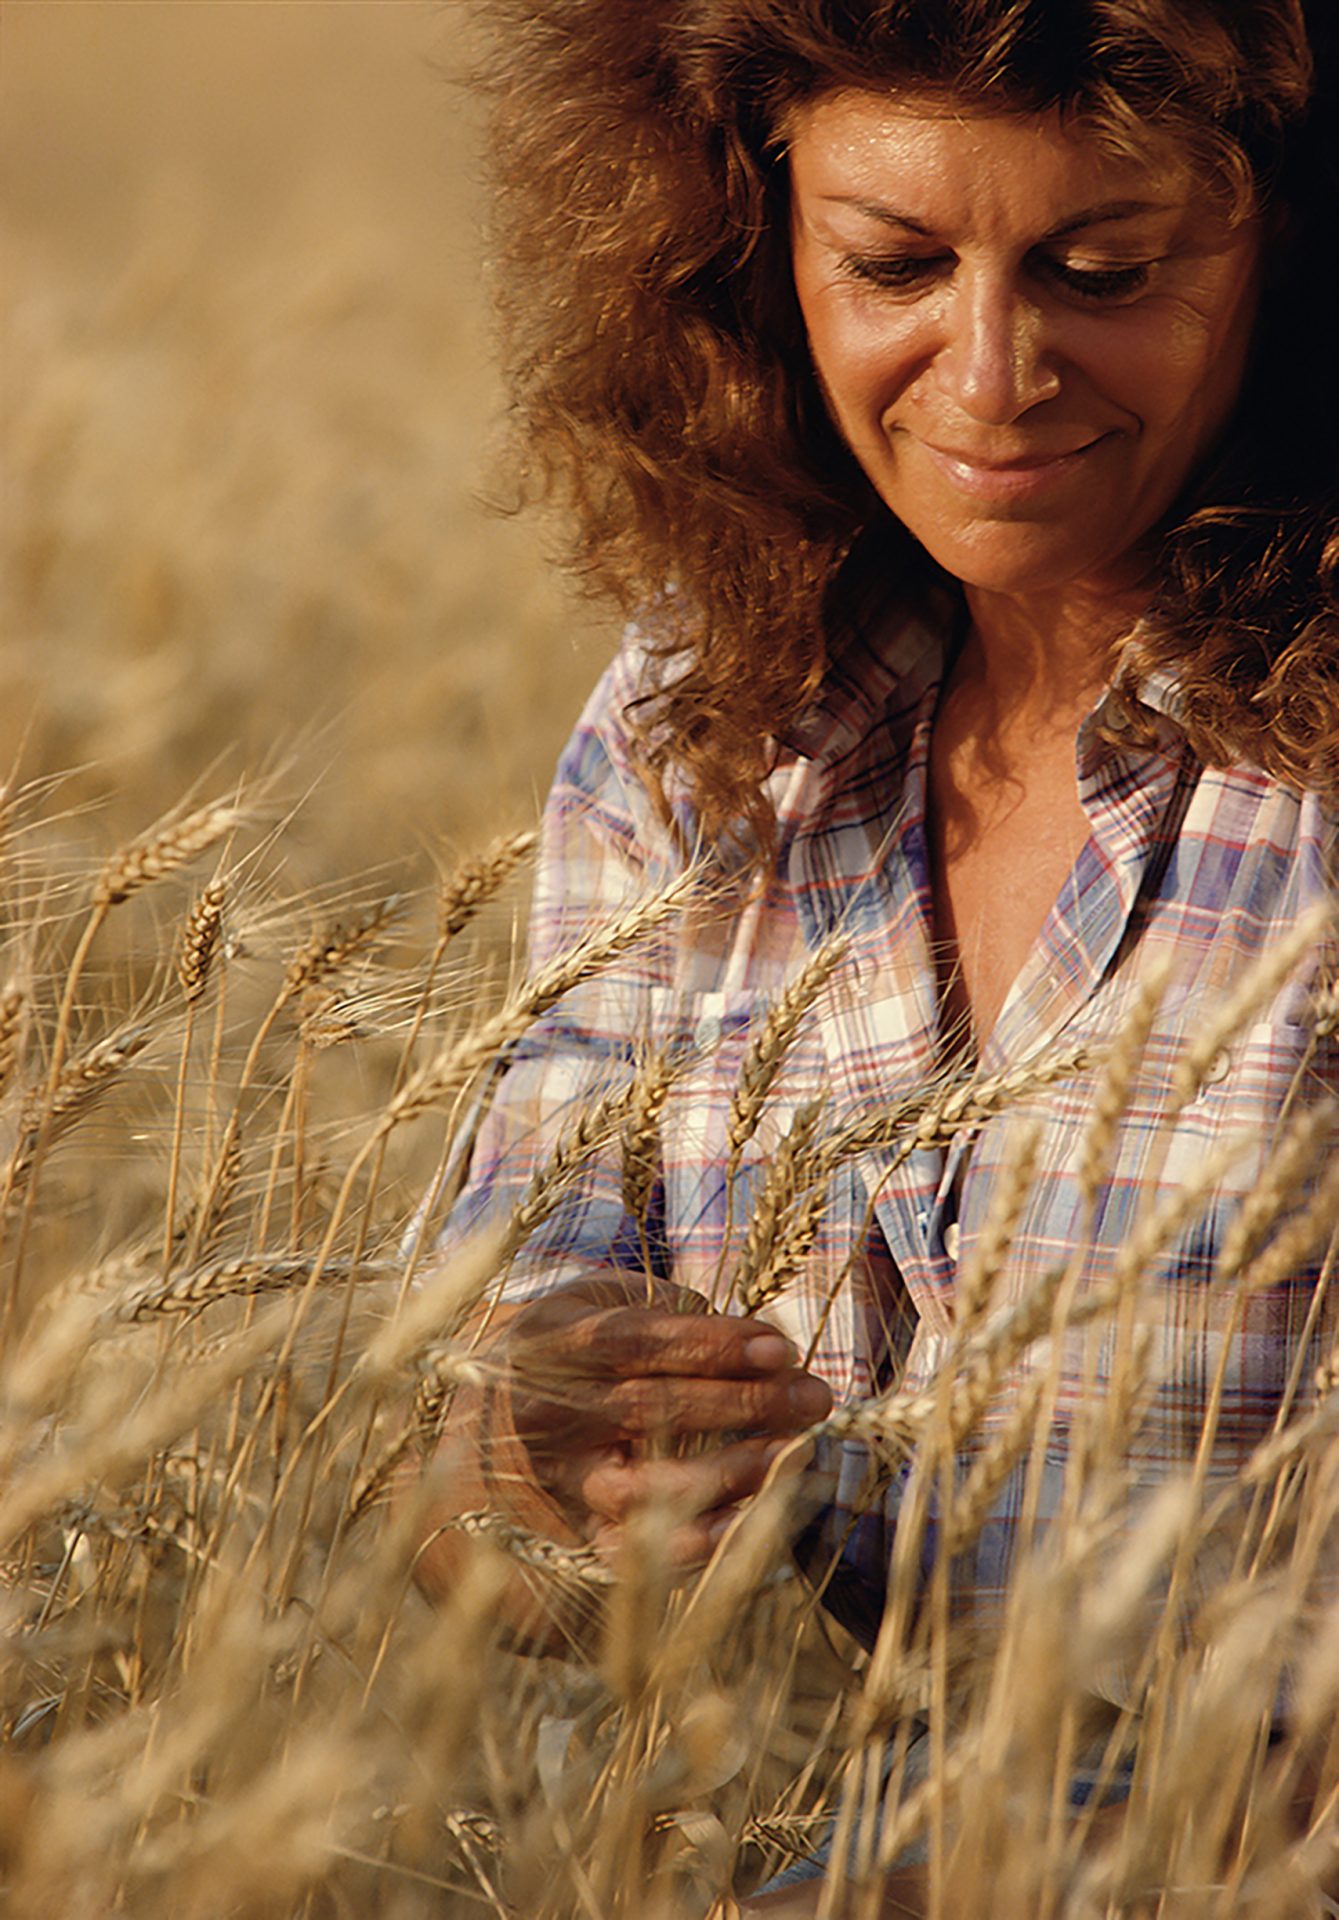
x,y
898,272
1099,283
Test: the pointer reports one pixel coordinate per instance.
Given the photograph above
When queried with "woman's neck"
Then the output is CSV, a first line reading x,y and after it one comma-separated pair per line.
x,y
1044,657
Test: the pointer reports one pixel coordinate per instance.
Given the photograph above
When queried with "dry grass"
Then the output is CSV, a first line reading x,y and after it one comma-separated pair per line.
x,y
244,400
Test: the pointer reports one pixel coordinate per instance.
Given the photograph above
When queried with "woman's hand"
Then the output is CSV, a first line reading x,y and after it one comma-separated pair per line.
x,y
623,1406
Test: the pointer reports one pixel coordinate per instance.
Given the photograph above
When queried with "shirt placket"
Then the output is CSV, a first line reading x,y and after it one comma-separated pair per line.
x,y
887,1043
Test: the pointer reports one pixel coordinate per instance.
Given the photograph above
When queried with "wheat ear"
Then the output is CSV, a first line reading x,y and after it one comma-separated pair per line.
x,y
458,1061
902,1128
1325,1013
170,846
1283,1176
916,1125
641,1133
13,1006
49,1112
450,1071
476,880
981,1269
335,946
592,1127
156,854
319,956
974,1499
195,957
199,941
767,1049
897,1420
785,1218
227,1279
576,1570
1257,986
1112,1092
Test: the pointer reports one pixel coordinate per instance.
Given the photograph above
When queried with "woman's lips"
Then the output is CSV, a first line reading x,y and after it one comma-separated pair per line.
x,y
1017,478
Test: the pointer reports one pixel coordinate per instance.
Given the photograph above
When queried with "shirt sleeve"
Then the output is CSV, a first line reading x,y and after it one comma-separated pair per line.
x,y
603,850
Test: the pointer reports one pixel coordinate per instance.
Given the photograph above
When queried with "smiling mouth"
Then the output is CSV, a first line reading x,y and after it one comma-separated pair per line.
x,y
1010,478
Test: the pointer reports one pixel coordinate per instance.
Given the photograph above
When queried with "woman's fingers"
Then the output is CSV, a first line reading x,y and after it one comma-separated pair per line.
x,y
627,1342
694,1499
636,1372
653,1405
615,1484
661,1407
682,1550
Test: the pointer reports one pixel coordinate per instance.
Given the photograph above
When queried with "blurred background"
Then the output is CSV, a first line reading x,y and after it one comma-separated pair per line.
x,y
249,421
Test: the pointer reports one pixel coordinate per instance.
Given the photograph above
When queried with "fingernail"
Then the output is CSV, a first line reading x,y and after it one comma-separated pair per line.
x,y
809,1398
769,1351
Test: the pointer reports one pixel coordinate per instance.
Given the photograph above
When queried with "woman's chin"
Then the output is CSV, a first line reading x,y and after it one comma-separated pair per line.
x,y
1020,562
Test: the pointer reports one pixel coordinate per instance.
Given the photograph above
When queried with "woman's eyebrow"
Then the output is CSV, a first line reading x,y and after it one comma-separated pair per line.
x,y
1110,210
1105,211
873,210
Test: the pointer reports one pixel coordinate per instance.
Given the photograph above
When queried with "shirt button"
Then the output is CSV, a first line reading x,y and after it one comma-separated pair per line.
x,y
1218,1067
952,1238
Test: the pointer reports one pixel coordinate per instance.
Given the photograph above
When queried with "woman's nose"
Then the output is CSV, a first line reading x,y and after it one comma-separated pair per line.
x,y
995,362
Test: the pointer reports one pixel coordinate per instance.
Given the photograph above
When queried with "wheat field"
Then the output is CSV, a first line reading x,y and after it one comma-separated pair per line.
x,y
281,696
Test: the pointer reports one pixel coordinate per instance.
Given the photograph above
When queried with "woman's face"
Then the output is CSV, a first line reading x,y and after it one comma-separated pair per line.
x,y
1027,343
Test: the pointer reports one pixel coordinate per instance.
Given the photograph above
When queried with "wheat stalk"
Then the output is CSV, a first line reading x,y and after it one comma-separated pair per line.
x,y
228,1279
767,1049
333,947
13,1008
641,1135
49,1112
1255,989
574,1569
162,851
199,941
458,1062
476,880
785,1217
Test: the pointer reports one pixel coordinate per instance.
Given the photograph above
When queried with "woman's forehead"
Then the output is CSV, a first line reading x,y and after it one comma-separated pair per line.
x,y
873,148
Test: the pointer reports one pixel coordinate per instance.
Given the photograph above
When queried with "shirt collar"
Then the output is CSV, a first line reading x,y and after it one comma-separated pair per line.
x,y
895,655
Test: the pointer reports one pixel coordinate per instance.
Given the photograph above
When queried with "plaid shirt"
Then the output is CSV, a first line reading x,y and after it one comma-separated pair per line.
x,y
1201,869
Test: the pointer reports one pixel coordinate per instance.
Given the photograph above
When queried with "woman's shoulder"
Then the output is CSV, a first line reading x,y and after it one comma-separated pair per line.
x,y
606,749
606,788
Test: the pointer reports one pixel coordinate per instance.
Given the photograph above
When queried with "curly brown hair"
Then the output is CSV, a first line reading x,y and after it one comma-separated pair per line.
x,y
662,385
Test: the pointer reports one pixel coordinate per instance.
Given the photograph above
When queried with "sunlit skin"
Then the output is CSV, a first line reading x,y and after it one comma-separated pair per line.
x,y
1030,345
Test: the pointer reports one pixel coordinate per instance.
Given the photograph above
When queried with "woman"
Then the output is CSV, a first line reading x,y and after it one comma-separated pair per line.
x,y
943,386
